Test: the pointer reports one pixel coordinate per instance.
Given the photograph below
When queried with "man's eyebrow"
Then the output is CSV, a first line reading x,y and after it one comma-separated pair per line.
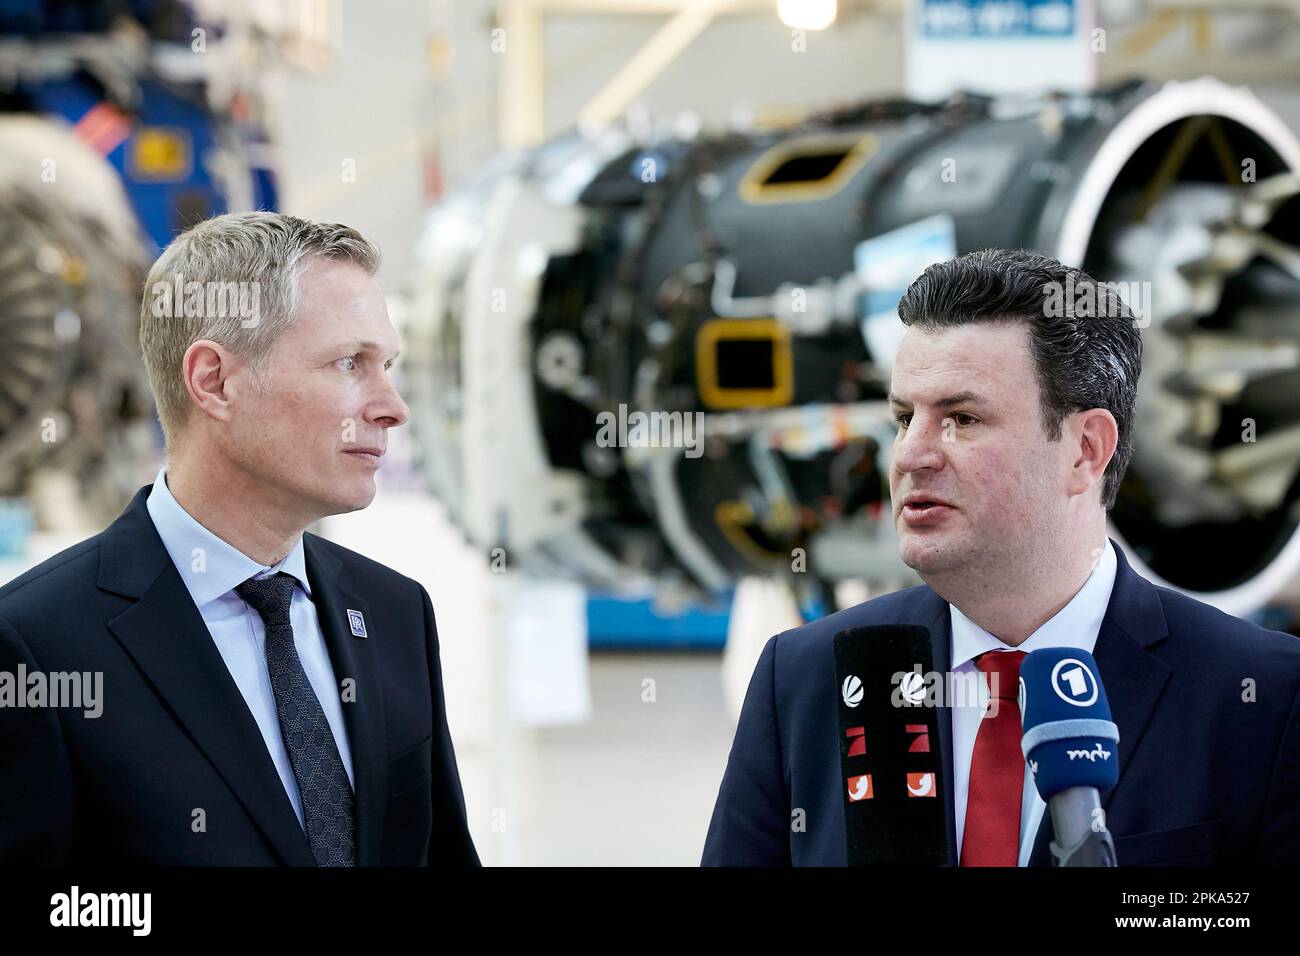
x,y
365,345
961,398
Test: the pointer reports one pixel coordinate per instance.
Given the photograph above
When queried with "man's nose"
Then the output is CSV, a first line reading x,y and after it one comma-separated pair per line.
x,y
920,445
388,409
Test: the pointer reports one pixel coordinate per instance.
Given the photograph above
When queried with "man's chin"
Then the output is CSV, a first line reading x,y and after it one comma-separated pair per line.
x,y
924,556
362,499
343,502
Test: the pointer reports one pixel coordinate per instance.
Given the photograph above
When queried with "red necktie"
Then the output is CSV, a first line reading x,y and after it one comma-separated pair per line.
x,y
997,769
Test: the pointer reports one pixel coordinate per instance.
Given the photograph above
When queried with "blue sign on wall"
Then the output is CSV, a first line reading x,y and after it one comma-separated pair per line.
x,y
964,19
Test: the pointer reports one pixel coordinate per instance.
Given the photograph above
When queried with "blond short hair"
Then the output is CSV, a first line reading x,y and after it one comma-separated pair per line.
x,y
232,279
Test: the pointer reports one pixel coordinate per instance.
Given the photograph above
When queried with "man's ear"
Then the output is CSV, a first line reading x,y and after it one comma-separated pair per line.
x,y
205,368
1096,438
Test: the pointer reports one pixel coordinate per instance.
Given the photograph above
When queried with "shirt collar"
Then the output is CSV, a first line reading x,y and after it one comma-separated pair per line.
x,y
208,565
1075,625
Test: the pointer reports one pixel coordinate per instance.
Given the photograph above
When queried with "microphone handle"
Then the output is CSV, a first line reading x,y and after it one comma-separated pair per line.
x,y
1077,842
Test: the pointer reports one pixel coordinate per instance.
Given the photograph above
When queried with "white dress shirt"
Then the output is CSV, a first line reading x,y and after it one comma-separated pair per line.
x,y
1075,625
211,569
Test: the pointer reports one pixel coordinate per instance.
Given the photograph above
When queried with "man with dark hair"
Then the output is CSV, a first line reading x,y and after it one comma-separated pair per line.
x,y
1014,391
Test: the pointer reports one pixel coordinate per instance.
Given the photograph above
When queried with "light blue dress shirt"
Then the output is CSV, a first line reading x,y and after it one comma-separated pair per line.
x,y
211,569
1075,625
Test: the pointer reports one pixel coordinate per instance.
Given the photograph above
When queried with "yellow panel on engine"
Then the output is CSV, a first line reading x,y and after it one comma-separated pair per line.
x,y
832,160
717,336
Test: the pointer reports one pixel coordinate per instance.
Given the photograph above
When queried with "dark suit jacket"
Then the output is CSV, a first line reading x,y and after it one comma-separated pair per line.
x,y
1204,777
175,734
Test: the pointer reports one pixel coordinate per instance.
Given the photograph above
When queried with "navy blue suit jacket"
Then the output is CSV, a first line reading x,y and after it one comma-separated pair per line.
x,y
1205,778
176,736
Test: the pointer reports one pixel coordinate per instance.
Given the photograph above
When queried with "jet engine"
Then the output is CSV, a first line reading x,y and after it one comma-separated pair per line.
x,y
661,361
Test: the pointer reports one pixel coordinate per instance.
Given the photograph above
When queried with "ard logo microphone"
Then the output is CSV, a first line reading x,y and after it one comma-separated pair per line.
x,y
1071,746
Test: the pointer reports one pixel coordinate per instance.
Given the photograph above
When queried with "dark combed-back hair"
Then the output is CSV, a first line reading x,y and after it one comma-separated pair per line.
x,y
1085,342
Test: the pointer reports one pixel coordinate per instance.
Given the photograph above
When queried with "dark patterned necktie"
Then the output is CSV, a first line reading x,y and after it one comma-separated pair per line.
x,y
318,768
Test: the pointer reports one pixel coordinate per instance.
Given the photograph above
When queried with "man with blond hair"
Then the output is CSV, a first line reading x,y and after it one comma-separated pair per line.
x,y
269,698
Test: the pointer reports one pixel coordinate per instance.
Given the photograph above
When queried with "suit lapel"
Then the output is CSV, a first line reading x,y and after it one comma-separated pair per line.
x,y
1132,677
166,636
363,709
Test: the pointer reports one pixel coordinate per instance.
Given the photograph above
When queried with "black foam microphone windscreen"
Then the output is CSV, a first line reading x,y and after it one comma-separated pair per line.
x,y
890,760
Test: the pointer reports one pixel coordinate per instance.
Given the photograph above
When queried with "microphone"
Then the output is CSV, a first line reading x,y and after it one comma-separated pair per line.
x,y
1070,744
890,760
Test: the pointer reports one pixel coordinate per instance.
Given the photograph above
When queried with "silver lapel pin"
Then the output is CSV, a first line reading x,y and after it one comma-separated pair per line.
x,y
356,623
